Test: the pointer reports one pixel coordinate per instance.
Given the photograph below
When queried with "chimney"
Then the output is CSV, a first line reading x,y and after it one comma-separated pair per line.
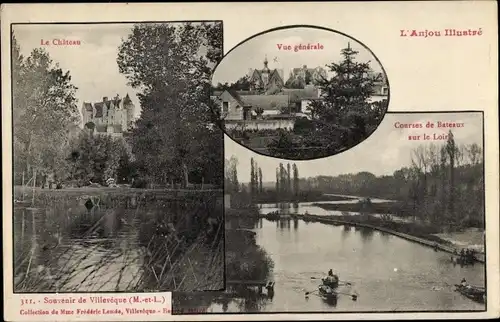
x,y
105,99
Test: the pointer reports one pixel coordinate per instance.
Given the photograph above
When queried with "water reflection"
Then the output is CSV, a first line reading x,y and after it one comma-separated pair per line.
x,y
71,249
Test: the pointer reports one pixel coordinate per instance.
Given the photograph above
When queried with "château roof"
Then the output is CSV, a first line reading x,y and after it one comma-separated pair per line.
x,y
98,109
87,106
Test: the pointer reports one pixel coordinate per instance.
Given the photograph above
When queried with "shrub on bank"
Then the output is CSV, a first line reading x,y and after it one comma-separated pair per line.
x,y
245,260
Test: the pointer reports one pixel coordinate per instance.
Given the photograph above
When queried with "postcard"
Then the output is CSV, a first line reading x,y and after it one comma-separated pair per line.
x,y
247,161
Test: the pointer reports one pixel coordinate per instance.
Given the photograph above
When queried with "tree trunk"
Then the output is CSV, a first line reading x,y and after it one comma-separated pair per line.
x,y
185,181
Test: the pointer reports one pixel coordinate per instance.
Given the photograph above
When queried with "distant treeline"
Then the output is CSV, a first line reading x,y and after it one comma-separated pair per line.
x,y
443,185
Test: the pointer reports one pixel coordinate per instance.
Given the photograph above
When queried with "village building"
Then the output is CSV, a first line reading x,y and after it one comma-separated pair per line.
x,y
306,76
380,88
271,104
266,80
110,116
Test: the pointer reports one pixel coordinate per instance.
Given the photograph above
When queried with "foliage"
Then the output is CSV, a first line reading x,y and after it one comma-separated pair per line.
x,y
44,111
231,183
97,158
343,117
295,83
444,185
242,84
244,259
171,64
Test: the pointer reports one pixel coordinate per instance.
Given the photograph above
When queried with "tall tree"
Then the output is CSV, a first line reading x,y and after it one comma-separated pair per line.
x,y
451,149
283,181
170,64
345,111
278,188
295,180
288,179
260,180
231,183
44,112
252,177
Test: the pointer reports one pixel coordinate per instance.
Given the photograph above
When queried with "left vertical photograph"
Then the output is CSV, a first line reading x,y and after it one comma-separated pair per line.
x,y
118,169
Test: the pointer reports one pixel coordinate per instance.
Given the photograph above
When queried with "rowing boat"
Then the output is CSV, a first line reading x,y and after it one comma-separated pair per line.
x,y
327,292
475,293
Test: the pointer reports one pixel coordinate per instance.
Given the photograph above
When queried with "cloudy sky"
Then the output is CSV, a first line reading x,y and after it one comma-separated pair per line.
x,y
251,53
386,150
92,65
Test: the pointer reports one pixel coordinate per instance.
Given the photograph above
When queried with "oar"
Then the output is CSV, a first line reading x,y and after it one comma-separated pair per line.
x,y
318,278
311,292
354,297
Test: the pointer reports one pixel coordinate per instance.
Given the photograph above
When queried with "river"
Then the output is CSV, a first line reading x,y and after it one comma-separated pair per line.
x,y
58,249
387,272
310,208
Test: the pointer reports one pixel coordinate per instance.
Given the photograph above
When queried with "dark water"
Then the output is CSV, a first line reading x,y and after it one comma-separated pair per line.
x,y
388,273
120,249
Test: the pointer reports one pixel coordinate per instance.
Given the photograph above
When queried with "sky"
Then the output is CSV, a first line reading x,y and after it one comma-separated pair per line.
x,y
251,53
386,150
92,65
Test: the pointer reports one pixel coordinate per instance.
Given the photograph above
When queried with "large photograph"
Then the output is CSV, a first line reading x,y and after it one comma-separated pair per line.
x,y
395,224
118,167
300,93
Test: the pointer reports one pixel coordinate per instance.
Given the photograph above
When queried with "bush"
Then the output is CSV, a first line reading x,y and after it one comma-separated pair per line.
x,y
139,183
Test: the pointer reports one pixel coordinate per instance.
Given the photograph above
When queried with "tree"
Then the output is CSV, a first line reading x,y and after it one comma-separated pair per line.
x,y
44,113
97,158
343,117
288,179
163,61
451,150
252,177
283,181
260,180
231,183
295,180
296,82
278,188
345,112
259,111
308,78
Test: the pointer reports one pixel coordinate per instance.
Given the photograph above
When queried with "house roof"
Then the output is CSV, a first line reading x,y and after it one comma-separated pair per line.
x,y
266,102
237,97
249,92
297,95
272,74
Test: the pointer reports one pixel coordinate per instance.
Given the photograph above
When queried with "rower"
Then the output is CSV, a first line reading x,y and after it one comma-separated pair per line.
x,y
331,280
463,282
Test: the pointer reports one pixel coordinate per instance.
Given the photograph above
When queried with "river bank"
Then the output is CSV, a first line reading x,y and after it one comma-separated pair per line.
x,y
244,261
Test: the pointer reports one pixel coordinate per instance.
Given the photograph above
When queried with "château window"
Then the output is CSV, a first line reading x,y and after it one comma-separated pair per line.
x,y
225,107
385,90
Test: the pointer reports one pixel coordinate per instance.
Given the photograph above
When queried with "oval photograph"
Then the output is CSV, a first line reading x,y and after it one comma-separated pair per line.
x,y
299,93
